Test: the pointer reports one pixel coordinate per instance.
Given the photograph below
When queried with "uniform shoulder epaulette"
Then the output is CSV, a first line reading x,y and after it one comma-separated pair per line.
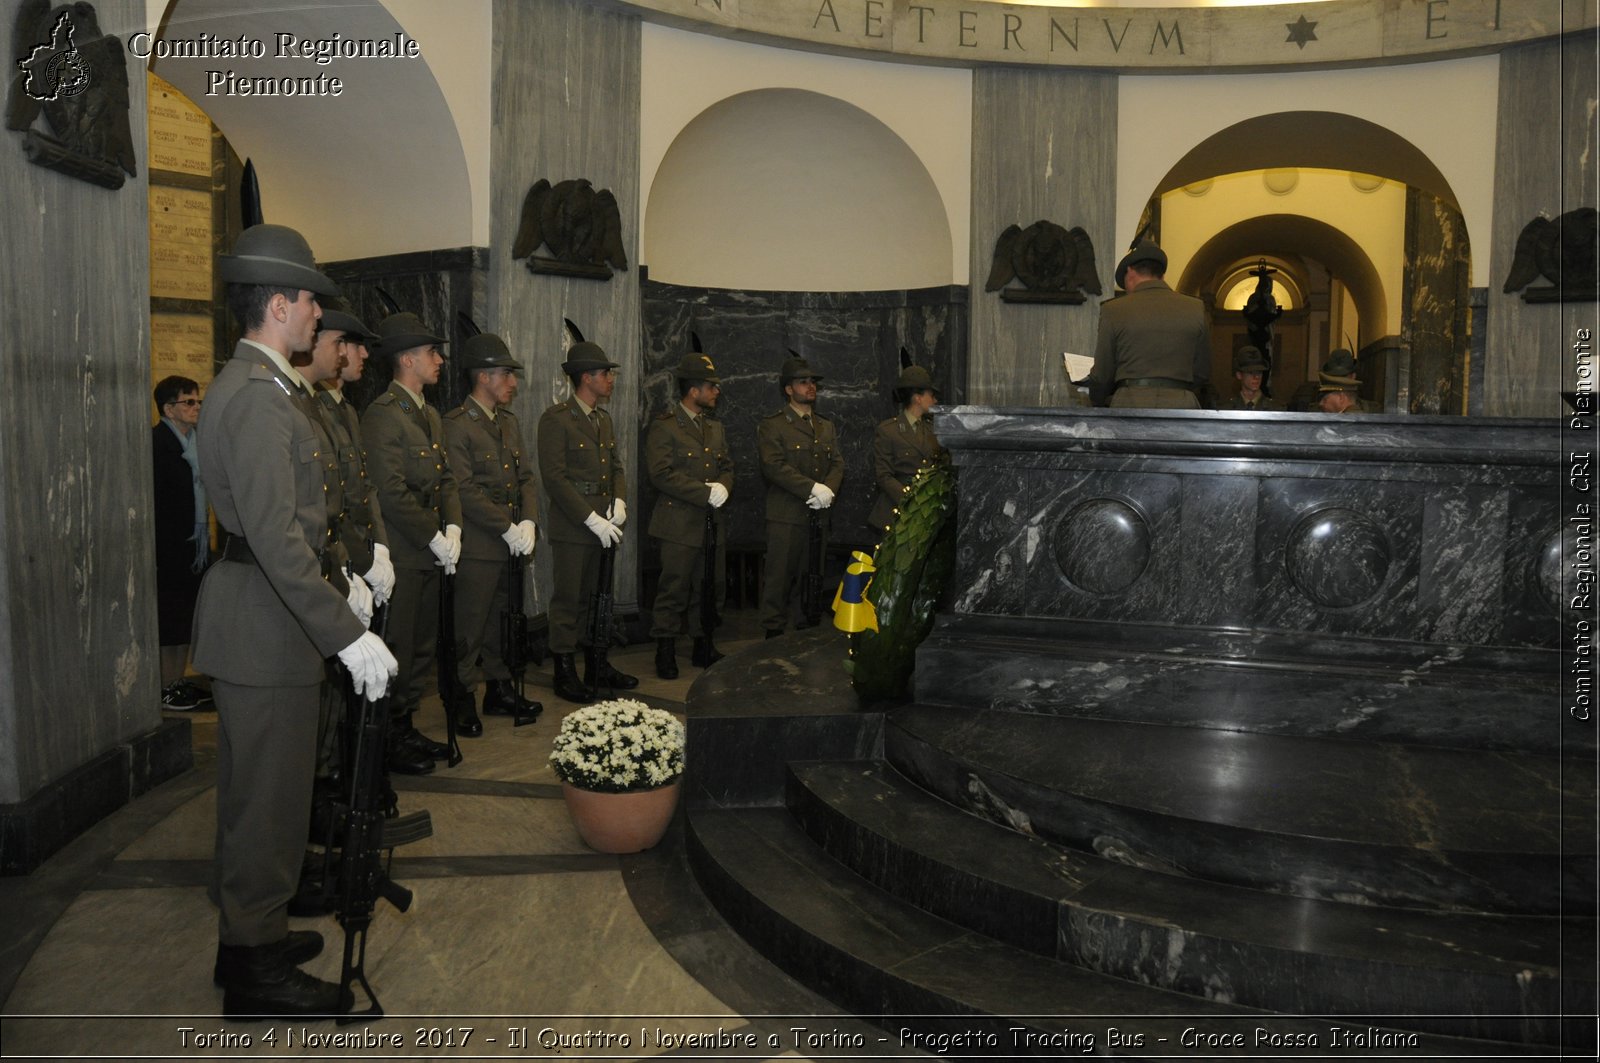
x,y
386,399
668,416
459,411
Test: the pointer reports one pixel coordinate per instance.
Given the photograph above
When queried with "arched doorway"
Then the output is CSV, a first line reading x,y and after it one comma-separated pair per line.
x,y
319,157
1372,227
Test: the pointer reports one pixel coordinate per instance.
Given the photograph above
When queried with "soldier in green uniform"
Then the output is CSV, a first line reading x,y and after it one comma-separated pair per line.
x,y
1337,387
268,615
422,514
339,356
484,442
581,472
1154,346
1249,369
903,444
362,531
686,456
803,466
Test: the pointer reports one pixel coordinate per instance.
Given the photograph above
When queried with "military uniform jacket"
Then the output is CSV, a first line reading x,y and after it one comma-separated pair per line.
x,y
1152,332
681,462
1263,404
579,466
899,449
270,622
407,464
794,455
363,516
491,472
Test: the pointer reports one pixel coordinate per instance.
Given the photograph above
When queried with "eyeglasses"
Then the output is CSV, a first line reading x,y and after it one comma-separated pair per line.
x,y
185,402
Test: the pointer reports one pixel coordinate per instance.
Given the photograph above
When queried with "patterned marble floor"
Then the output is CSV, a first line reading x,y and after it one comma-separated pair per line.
x,y
519,932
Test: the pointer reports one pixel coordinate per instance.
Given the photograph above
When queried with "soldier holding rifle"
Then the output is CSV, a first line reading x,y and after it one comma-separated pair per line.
x,y
803,465
498,503
581,471
422,513
686,455
269,614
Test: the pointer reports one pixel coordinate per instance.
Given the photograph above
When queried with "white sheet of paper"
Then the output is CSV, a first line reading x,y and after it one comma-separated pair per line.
x,y
1077,366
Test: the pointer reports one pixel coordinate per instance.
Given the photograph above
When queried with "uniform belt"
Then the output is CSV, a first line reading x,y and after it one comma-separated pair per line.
x,y
591,487
1156,382
237,549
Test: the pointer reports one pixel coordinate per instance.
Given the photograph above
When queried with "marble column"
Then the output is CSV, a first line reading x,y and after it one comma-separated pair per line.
x,y
1438,273
1545,162
80,715
1044,146
566,105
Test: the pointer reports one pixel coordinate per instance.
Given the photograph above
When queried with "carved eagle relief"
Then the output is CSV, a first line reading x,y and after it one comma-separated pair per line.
x,y
581,228
76,76
1563,252
1052,263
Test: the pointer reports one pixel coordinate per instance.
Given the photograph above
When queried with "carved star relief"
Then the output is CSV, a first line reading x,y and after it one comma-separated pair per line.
x,y
1301,32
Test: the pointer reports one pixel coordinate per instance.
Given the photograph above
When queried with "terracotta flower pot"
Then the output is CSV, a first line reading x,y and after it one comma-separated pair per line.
x,y
621,823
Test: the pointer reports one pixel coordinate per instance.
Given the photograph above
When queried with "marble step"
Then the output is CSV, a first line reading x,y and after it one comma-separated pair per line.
x,y
1363,822
1229,943
1265,682
921,977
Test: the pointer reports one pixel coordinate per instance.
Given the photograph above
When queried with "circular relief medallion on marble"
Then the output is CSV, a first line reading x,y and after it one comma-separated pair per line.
x,y
1547,566
1102,546
1338,557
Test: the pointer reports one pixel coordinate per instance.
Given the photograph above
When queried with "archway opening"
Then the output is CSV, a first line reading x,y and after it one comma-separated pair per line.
x,y
791,190
1355,218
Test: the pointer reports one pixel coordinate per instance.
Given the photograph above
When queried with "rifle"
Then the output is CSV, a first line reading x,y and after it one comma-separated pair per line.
x,y
371,826
811,587
446,653
709,617
600,620
514,624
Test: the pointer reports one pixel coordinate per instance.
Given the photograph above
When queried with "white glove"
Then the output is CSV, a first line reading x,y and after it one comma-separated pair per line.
x,y
821,496
440,547
443,555
608,534
719,495
380,577
370,664
619,512
360,599
513,537
529,535
452,532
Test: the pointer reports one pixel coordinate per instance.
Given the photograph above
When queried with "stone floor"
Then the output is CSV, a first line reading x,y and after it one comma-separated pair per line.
x,y
517,928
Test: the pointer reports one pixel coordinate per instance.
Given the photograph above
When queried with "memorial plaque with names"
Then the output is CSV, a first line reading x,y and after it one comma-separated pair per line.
x,y
180,243
181,344
180,132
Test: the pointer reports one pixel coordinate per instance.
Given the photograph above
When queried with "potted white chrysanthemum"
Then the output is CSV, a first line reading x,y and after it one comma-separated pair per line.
x,y
619,763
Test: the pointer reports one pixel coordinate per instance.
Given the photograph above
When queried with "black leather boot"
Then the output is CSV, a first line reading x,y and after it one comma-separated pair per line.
x,y
297,948
500,698
467,723
261,983
567,684
415,739
403,757
705,652
607,678
666,657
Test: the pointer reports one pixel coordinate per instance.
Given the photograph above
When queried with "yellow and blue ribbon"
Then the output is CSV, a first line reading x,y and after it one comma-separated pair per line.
x,y
851,610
